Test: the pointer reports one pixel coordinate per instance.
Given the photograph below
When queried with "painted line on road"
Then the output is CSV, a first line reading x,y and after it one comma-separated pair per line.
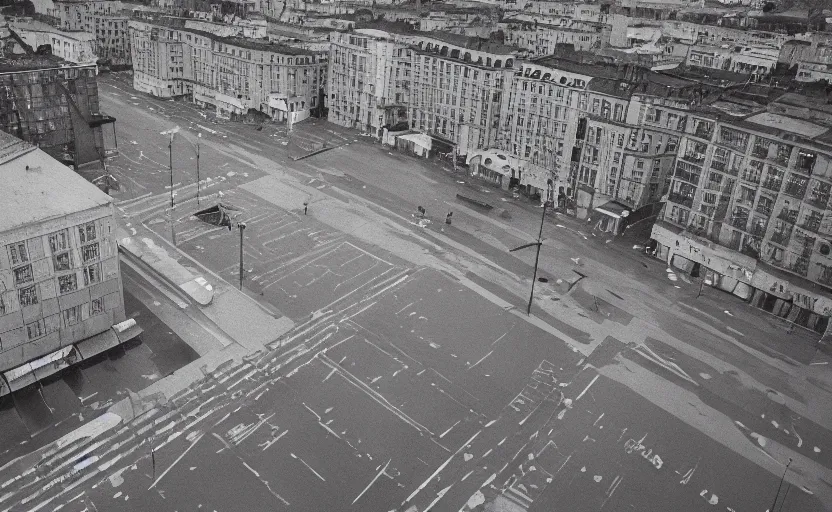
x,y
200,436
586,388
440,468
372,481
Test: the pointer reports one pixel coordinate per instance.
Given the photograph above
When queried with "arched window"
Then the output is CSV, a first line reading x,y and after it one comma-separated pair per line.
x,y
498,63
509,63
467,57
488,62
454,54
443,51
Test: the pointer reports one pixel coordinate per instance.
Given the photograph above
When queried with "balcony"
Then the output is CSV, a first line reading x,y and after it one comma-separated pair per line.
x,y
751,177
781,237
689,177
800,265
680,199
797,190
781,158
718,165
697,158
811,224
773,185
758,230
760,152
704,131
739,222
789,216
818,201
825,276
763,209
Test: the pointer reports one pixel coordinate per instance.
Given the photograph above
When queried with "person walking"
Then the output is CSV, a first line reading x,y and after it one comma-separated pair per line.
x,y
305,207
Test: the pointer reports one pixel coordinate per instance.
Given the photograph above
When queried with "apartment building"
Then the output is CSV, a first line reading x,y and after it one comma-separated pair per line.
x,y
104,19
749,204
370,75
61,299
54,106
72,46
233,74
542,39
457,89
584,133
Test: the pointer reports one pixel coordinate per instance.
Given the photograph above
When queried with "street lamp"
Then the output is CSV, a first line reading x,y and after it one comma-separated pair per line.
x,y
538,243
242,226
199,136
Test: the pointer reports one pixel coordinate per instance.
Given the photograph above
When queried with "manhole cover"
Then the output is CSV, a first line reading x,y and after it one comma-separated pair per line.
x,y
543,279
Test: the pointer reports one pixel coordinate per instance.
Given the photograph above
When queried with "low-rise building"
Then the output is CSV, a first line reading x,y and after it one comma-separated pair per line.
x,y
61,299
235,75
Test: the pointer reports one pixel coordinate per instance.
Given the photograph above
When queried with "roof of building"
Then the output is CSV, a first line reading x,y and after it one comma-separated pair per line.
x,y
241,42
471,43
36,187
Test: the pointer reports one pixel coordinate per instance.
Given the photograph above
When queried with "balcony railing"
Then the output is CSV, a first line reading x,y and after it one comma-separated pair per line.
x,y
800,265
812,225
818,201
765,210
739,222
694,157
690,177
795,190
781,237
789,216
719,166
825,277
704,131
759,152
758,230
773,185
681,199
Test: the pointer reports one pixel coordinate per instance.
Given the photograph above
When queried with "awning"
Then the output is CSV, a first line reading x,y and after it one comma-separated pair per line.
x,y
420,139
127,330
97,344
613,209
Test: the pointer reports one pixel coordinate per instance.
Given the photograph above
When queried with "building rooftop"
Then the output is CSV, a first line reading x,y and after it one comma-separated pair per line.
x,y
36,187
241,42
471,43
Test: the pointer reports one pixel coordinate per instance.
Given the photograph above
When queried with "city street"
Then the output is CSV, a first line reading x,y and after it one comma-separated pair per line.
x,y
413,376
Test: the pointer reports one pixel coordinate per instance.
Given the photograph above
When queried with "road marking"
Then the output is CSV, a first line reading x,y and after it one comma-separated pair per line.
x,y
586,388
481,360
372,481
440,468
200,436
449,429
308,466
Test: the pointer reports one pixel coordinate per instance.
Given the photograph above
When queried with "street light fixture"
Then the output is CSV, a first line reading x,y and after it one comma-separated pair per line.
x,y
538,243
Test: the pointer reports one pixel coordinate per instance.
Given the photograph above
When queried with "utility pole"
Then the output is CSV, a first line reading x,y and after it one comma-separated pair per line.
x,y
536,258
172,220
199,135
774,504
242,226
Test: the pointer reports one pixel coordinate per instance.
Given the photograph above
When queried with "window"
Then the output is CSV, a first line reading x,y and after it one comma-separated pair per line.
x,y
87,232
36,329
23,275
67,283
97,306
62,261
18,253
90,252
28,296
72,315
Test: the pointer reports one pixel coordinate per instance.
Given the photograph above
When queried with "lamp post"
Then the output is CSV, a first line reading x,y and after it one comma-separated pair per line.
x,y
199,136
242,226
538,243
774,504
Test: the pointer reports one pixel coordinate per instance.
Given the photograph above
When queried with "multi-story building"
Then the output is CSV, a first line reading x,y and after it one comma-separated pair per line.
x,y
112,40
542,39
370,75
61,299
457,89
749,204
76,47
54,106
234,74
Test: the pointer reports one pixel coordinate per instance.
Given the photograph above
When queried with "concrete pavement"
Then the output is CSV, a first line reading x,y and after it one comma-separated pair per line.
x,y
679,360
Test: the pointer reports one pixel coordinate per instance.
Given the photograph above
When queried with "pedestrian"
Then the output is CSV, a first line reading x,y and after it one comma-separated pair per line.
x,y
448,218
305,207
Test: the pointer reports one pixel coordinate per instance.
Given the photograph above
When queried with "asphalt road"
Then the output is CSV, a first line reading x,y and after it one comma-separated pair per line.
x,y
409,389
